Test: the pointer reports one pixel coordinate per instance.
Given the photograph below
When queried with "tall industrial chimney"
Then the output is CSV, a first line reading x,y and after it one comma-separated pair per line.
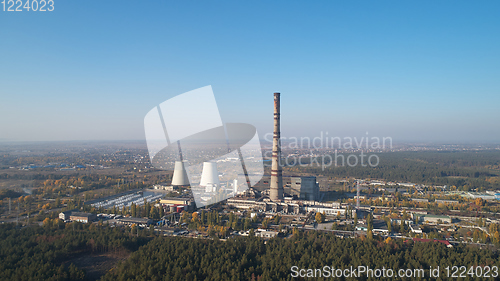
x,y
276,174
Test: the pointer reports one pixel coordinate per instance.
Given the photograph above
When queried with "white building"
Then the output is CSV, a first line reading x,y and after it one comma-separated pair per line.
x,y
65,215
326,210
266,233
163,187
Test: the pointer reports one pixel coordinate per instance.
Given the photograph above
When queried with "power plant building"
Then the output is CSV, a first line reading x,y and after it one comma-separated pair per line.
x,y
287,206
306,188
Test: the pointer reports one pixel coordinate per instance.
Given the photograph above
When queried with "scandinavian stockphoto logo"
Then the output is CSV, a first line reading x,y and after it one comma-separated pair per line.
x,y
218,161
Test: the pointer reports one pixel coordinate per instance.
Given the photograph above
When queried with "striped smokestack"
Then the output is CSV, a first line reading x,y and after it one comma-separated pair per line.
x,y
276,179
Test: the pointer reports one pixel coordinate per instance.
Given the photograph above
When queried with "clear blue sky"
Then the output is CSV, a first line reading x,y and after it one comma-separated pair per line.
x,y
411,70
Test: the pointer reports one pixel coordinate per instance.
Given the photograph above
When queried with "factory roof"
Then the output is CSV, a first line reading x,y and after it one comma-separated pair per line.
x,y
434,216
134,220
81,214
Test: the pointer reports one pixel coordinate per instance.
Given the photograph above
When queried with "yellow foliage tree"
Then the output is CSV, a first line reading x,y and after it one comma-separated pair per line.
x,y
195,217
320,218
46,222
479,202
496,237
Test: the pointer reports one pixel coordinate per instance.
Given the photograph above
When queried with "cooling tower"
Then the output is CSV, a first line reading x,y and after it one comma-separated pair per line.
x,y
276,173
180,177
209,175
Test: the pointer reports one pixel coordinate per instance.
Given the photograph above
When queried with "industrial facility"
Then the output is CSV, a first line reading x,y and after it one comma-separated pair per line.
x,y
289,195
299,195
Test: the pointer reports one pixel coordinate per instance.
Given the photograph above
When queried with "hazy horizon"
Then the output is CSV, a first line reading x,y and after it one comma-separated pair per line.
x,y
263,141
